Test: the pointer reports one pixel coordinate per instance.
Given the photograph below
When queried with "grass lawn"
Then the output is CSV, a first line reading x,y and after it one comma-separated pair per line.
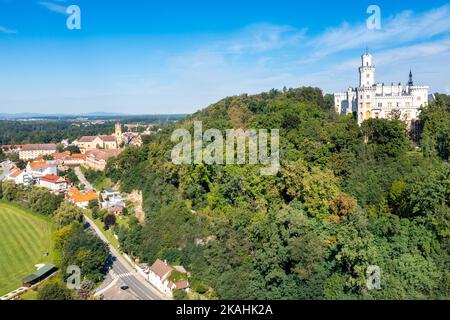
x,y
24,237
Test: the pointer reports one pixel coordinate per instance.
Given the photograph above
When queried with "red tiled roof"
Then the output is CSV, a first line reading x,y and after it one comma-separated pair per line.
x,y
183,284
53,178
15,173
161,268
77,196
34,147
103,154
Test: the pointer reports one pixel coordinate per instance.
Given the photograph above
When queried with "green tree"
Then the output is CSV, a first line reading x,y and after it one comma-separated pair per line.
x,y
54,290
67,213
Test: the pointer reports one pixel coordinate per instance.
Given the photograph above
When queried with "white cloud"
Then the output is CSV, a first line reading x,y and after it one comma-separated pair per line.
x,y
396,30
7,30
54,7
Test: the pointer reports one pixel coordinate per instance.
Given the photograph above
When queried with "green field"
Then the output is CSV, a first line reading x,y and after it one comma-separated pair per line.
x,y
24,238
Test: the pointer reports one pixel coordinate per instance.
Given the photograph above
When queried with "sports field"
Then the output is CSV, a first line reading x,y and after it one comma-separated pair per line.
x,y
24,238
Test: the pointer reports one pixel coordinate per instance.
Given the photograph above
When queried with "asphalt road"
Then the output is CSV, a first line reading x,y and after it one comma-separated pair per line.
x,y
83,179
143,289
135,281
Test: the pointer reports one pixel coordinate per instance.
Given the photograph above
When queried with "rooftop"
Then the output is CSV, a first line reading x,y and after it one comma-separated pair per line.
x,y
35,147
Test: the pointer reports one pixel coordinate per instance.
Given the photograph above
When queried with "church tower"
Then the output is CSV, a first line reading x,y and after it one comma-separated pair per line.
x,y
366,71
118,132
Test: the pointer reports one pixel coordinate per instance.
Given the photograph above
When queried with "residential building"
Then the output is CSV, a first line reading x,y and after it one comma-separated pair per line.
x,y
38,169
377,100
33,151
20,177
53,182
68,159
81,198
97,159
159,273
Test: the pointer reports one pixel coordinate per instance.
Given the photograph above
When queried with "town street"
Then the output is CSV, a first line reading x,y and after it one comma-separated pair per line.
x,y
142,288
123,270
83,179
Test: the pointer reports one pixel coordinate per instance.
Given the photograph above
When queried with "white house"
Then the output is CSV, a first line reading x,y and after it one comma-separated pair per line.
x,y
53,182
20,177
159,273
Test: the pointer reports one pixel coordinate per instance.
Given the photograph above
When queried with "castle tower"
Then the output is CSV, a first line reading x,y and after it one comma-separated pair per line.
x,y
410,82
118,132
366,71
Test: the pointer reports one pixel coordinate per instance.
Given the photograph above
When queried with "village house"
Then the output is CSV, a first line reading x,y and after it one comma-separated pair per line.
x,y
33,151
159,273
38,169
53,183
97,159
113,202
69,160
81,198
20,177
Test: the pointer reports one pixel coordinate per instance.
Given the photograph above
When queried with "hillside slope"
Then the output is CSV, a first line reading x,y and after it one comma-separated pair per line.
x,y
336,207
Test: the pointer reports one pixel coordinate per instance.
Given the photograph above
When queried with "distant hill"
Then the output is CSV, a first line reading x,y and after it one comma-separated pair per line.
x,y
56,115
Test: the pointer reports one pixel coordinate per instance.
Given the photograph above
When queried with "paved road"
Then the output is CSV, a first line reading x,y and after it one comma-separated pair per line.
x,y
143,289
83,179
136,282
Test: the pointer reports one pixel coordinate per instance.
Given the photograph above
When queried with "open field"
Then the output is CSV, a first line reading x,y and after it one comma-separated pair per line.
x,y
24,238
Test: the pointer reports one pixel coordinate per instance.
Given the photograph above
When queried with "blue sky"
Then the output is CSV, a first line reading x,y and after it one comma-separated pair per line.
x,y
179,56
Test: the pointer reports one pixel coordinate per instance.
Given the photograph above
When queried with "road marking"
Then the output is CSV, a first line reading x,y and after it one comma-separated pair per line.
x,y
124,275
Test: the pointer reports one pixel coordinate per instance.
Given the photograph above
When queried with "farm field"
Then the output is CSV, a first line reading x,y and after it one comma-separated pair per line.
x,y
25,237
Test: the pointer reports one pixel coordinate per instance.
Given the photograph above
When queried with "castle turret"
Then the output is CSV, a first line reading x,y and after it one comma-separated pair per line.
x,y
366,71
410,82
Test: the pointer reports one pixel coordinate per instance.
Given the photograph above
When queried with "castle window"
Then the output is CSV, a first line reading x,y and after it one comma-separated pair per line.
x,y
368,96
390,104
367,115
398,104
380,104
368,105
368,75
418,98
408,104
377,115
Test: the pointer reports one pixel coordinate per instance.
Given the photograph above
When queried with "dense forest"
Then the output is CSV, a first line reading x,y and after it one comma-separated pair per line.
x,y
345,198
55,130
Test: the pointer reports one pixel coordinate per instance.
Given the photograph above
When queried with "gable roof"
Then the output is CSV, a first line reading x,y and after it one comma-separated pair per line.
x,y
108,138
77,196
87,138
34,147
161,268
16,173
53,178
103,154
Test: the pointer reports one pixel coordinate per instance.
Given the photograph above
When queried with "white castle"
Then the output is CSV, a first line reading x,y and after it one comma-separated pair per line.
x,y
377,100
